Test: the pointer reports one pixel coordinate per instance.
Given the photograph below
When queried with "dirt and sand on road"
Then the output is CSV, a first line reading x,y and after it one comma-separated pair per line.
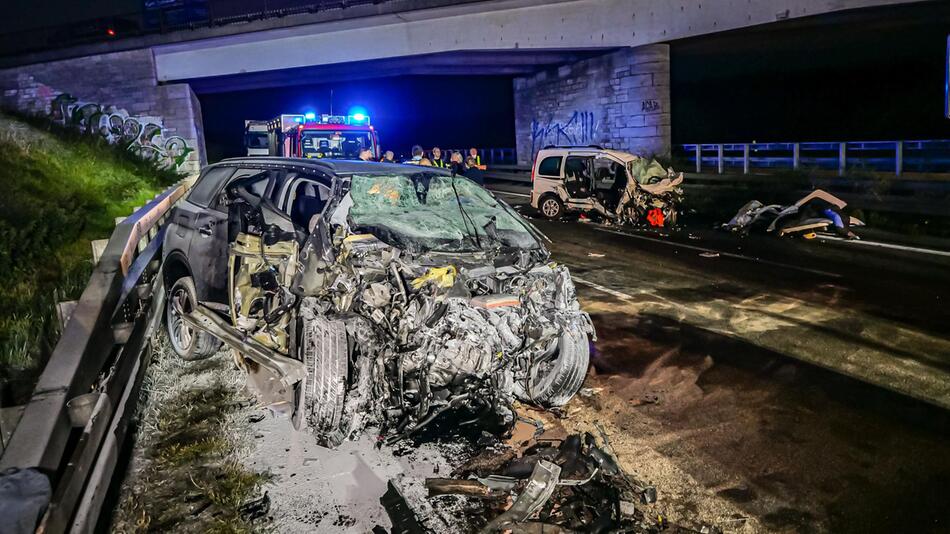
x,y
730,431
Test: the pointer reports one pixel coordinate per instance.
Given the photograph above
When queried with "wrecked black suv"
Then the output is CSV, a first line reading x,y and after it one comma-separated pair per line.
x,y
362,294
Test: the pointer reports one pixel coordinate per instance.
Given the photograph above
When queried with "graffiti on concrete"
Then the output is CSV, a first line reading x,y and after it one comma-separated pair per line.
x,y
143,136
648,106
579,129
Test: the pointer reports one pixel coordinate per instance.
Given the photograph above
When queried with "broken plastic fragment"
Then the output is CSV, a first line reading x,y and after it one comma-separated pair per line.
x,y
442,276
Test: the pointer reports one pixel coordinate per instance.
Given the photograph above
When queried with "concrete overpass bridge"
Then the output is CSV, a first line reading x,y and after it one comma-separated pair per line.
x,y
584,71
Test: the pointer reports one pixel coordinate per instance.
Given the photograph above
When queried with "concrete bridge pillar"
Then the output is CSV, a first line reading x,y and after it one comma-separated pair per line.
x,y
115,96
619,100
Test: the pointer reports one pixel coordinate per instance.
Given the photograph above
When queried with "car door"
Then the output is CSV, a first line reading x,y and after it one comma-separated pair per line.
x,y
182,221
578,180
208,250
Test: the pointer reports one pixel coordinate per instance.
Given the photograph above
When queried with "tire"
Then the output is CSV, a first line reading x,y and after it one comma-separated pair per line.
x,y
551,207
555,380
188,343
323,349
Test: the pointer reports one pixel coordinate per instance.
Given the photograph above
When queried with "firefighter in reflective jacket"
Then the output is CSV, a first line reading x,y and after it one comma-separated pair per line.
x,y
436,159
473,153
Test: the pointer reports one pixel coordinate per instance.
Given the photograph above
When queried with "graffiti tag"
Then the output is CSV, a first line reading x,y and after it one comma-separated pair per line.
x,y
143,136
649,105
578,130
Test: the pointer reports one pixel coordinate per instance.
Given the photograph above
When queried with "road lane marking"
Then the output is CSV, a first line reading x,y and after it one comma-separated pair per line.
x,y
885,245
612,292
724,254
498,192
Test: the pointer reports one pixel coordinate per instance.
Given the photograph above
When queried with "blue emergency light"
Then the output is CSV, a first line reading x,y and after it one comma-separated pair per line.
x,y
310,115
298,119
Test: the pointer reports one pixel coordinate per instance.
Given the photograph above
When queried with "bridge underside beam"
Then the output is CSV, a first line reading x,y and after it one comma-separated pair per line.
x,y
489,25
467,63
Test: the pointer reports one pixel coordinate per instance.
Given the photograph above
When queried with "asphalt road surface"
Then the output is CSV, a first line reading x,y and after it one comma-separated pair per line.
x,y
761,385
806,382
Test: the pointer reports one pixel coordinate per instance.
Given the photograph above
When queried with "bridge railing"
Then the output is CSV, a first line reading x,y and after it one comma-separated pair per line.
x,y
98,362
160,16
897,157
490,156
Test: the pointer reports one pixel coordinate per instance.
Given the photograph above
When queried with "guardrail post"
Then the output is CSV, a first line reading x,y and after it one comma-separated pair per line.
x,y
699,158
899,158
842,158
796,156
720,163
745,159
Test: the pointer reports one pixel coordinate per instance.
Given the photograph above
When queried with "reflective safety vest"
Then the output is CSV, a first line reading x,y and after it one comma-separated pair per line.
x,y
439,163
478,160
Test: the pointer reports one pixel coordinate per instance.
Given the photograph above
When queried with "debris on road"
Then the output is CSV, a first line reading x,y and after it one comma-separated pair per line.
x,y
818,211
565,485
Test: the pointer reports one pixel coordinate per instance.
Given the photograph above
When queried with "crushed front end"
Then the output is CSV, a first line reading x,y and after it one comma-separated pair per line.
x,y
414,295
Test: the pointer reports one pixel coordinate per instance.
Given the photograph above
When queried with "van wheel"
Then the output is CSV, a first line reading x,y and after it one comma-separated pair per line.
x,y
551,207
188,343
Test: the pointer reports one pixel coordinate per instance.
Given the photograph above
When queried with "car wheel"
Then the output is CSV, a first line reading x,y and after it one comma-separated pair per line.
x,y
187,342
551,207
555,379
323,349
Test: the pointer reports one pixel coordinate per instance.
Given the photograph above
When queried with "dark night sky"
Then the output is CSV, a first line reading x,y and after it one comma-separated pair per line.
x,y
455,112
878,75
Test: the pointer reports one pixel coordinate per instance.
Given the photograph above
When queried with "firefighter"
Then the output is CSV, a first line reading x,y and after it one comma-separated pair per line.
x,y
473,153
417,153
436,158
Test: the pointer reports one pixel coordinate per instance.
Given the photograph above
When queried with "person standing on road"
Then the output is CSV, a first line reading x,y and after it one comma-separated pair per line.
x,y
388,157
437,158
366,154
416,155
473,154
473,170
456,163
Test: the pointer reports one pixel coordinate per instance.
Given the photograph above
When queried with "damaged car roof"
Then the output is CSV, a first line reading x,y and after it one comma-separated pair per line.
x,y
331,166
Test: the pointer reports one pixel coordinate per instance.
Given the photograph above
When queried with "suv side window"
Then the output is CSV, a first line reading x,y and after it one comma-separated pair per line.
x,y
550,166
258,188
305,198
209,184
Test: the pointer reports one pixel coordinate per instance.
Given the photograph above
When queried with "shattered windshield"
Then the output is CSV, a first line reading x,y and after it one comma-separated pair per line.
x,y
424,211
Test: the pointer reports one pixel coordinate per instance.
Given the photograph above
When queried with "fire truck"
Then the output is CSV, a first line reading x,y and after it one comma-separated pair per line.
x,y
323,136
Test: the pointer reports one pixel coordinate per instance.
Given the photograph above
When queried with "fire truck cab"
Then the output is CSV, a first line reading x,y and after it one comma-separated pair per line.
x,y
324,136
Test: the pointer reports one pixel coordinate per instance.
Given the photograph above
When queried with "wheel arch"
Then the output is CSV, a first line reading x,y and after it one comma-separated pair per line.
x,y
174,267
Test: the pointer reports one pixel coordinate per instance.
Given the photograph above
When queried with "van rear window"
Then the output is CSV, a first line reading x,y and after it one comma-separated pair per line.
x,y
550,166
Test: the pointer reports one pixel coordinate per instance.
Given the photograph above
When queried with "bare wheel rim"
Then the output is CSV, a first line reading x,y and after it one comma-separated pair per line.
x,y
550,207
179,332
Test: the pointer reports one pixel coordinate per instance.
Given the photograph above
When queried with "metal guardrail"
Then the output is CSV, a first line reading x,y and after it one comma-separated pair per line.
x,y
101,350
489,156
898,157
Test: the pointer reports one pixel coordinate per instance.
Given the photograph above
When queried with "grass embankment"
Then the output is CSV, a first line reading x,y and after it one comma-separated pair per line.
x,y
60,190
186,470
